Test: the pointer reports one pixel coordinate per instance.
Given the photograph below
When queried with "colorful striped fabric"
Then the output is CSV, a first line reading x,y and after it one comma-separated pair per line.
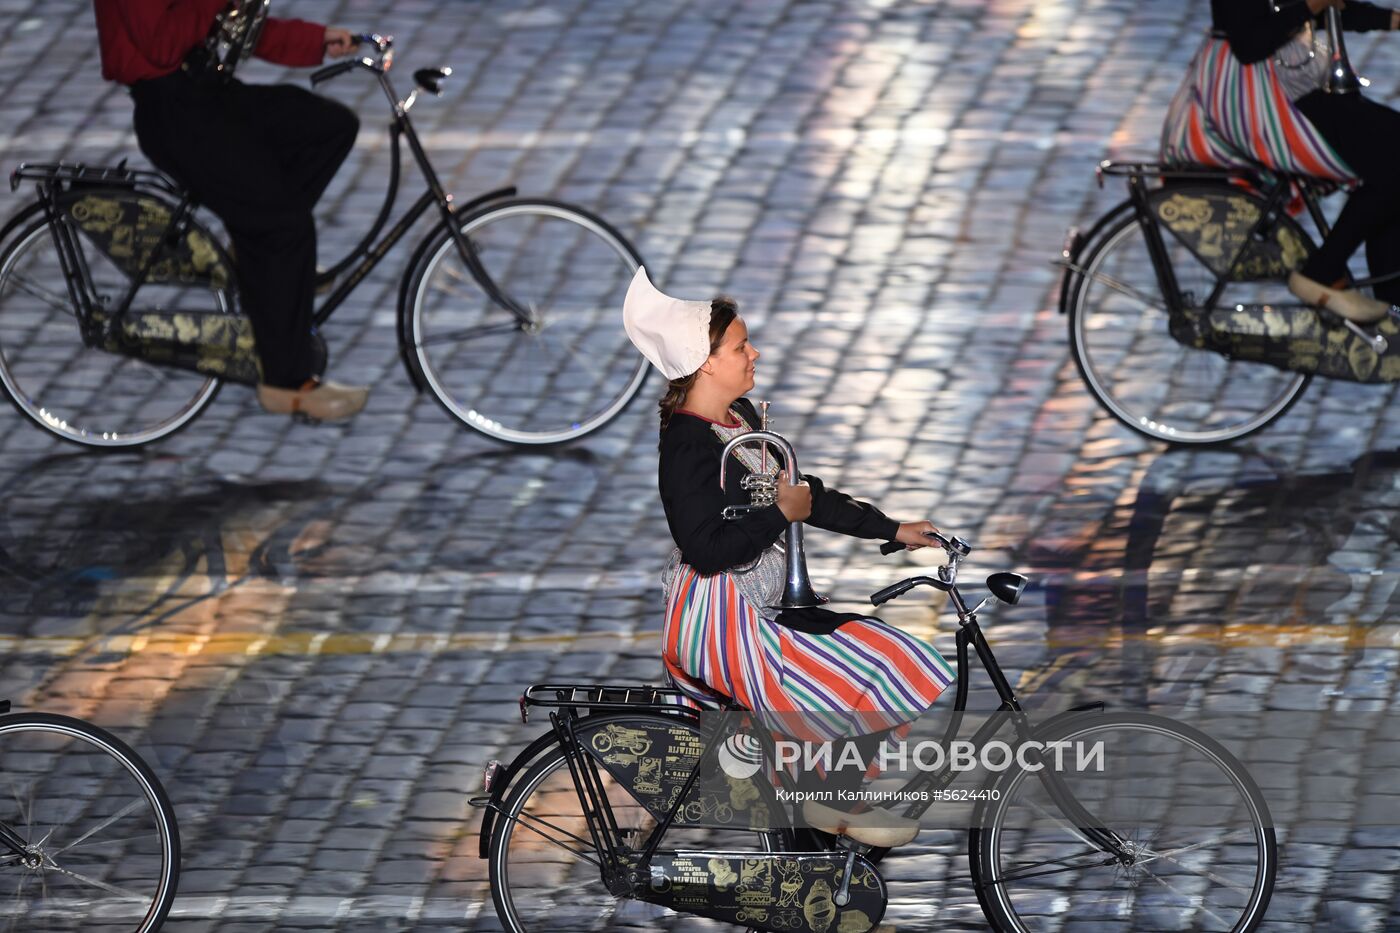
x,y
865,677
1230,115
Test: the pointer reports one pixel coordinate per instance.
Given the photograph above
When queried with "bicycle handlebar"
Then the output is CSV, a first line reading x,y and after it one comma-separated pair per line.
x,y
382,44
904,586
955,546
331,71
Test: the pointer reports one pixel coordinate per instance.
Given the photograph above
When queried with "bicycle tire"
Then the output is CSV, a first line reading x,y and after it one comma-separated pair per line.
x,y
1125,803
85,780
581,902
582,266
1196,379
42,354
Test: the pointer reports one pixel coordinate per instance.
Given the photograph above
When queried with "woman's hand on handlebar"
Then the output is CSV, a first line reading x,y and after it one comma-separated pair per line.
x,y
795,502
339,42
914,535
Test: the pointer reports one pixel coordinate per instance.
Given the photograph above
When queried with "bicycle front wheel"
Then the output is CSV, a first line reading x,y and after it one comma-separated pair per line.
x,y
1203,844
91,842
527,347
1118,330
83,394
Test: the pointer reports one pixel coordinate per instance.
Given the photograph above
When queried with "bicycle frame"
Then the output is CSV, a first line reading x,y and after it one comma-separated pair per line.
x,y
369,252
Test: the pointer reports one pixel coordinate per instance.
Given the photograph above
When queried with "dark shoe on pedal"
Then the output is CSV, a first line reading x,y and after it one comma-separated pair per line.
x,y
1344,302
874,827
315,400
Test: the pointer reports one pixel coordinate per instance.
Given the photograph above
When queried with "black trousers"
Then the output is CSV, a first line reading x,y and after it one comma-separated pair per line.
x,y
1367,135
259,156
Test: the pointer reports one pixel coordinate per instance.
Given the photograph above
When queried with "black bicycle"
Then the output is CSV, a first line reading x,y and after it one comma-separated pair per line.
x,y
88,839
1176,295
119,312
614,818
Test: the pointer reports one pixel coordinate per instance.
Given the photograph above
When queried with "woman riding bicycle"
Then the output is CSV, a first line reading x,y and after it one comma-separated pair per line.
x,y
1255,97
852,682
258,156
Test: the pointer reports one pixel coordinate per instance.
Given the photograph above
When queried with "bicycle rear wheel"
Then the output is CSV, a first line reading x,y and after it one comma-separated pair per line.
x,y
569,368
79,393
545,876
1146,379
102,850
1204,843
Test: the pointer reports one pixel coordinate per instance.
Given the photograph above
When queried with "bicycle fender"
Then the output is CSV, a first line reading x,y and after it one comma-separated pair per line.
x,y
1075,244
19,218
409,279
503,781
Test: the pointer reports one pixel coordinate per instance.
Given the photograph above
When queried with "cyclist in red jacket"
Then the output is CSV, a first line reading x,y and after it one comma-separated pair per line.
x,y
259,156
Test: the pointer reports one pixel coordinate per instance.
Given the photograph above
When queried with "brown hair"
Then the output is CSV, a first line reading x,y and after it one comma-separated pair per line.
x,y
723,310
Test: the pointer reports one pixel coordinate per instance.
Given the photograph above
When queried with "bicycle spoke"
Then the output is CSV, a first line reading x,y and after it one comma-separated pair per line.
x,y
48,296
103,825
94,882
468,333
1199,845
1023,868
110,842
1073,830
1190,899
1153,302
1210,875
520,821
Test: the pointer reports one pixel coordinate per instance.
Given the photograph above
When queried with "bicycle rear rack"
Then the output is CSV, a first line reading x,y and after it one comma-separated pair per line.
x,y
76,173
599,696
1254,179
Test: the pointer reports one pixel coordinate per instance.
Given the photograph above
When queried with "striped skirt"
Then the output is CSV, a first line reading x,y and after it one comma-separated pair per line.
x,y
1236,116
865,677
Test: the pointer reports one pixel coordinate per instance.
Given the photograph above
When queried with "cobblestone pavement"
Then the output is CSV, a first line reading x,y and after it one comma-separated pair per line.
x,y
318,635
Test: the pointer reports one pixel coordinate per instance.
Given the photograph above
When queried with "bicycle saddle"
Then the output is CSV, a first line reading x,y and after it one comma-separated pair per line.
x,y
815,620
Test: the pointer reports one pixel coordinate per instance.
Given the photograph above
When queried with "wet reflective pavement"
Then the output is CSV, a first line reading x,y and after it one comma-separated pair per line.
x,y
318,635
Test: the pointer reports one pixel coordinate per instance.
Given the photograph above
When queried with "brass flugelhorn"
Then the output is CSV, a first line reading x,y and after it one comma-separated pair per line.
x,y
234,35
1341,77
797,587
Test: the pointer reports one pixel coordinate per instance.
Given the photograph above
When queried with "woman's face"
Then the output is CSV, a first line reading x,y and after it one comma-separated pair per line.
x,y
731,367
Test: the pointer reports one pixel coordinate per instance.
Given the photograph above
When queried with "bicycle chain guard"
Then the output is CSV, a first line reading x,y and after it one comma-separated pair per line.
x,y
780,892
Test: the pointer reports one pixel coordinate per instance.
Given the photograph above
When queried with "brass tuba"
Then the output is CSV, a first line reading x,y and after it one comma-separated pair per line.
x,y
1341,77
797,586
234,35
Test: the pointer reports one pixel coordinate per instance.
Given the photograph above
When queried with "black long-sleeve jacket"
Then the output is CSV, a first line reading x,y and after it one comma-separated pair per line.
x,y
689,481
1256,28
